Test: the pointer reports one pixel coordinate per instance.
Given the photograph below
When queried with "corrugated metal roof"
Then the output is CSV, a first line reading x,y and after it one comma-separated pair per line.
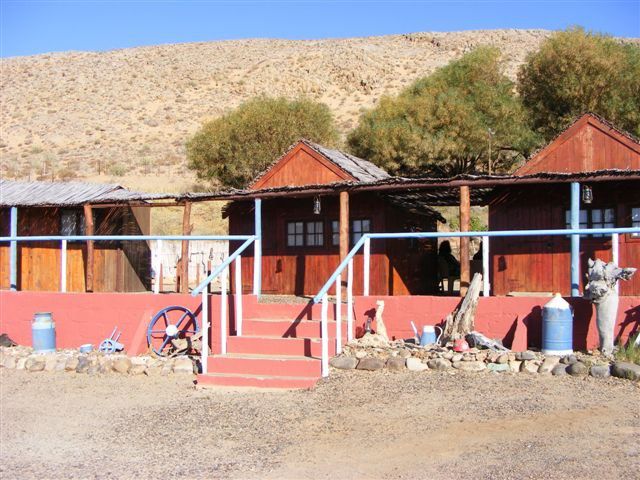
x,y
359,168
61,194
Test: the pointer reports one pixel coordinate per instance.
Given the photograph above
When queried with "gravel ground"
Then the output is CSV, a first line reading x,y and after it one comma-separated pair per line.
x,y
355,425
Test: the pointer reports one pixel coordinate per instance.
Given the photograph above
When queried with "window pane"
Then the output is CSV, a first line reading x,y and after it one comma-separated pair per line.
x,y
299,227
68,223
299,239
609,215
583,217
311,227
291,228
357,226
366,226
635,215
596,215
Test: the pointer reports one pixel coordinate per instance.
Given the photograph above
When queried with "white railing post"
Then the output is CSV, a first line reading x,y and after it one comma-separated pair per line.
x,y
63,266
204,351
257,248
238,294
367,264
156,266
350,300
615,254
223,310
13,250
486,285
324,336
339,314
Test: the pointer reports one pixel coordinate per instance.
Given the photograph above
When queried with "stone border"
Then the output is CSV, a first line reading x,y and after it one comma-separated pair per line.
x,y
92,363
369,353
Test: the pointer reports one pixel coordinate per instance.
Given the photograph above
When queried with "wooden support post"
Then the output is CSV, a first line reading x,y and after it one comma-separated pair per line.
x,y
13,250
184,255
344,225
89,230
465,217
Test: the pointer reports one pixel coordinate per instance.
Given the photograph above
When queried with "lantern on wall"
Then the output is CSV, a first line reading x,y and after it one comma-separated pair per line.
x,y
316,205
587,194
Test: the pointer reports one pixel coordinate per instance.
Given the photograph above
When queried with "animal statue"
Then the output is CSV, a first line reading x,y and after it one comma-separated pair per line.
x,y
601,290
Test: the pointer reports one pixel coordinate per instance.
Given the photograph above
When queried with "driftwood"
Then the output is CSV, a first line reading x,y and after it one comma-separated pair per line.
x,y
381,329
461,321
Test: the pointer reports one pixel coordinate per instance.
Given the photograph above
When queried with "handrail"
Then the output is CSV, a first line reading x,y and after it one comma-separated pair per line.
x,y
109,238
343,264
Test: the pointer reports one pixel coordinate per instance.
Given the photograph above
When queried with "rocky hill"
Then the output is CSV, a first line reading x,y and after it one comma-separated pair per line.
x,y
127,113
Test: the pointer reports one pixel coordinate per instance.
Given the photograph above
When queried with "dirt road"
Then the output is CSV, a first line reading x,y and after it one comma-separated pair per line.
x,y
356,425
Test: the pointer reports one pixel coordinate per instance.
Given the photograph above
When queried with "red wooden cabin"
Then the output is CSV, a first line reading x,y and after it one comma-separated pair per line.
x,y
542,264
301,242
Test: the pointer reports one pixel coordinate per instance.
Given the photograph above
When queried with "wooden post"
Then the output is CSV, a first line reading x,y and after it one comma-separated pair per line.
x,y
465,214
89,230
13,251
184,267
344,225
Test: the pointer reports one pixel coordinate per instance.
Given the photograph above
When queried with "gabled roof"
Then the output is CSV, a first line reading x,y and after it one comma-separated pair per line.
x,y
359,168
542,160
346,166
65,194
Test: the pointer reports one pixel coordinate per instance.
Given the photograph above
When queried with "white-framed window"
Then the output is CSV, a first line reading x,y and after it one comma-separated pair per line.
x,y
635,220
310,234
71,222
315,234
358,227
593,218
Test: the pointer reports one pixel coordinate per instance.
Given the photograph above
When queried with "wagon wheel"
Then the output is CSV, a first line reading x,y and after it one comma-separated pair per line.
x,y
171,326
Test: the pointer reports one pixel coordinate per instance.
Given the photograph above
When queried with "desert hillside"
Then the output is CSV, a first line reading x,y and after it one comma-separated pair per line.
x,y
125,115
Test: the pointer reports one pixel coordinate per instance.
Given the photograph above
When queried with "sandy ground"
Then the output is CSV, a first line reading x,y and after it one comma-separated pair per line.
x,y
355,425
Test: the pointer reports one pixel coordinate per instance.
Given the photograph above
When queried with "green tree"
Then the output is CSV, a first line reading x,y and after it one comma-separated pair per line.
x,y
234,148
575,72
463,118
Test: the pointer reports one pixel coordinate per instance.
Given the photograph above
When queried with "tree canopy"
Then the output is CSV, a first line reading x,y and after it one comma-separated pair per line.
x,y
234,148
576,71
448,122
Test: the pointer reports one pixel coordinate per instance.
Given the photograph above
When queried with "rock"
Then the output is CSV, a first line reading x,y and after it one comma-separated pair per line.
x,y
482,356
20,363
138,369
503,358
141,360
525,355
71,364
121,365
105,367
627,370
61,364
166,369
34,364
396,364
529,366
569,359
515,365
577,369
457,357
344,363
448,355
404,353
600,371
50,362
498,367
370,363
93,369
372,340
153,370
416,365
360,354
559,370
472,366
548,364
183,365
82,365
9,361
439,364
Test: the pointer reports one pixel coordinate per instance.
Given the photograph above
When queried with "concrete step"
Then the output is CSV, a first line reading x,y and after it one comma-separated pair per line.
x,y
272,345
289,329
256,381
268,365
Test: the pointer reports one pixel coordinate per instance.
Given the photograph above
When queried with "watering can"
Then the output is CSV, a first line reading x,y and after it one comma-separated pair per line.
x,y
429,335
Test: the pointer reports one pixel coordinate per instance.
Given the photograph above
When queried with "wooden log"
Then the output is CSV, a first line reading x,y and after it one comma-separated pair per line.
x,y
462,320
184,267
89,230
465,218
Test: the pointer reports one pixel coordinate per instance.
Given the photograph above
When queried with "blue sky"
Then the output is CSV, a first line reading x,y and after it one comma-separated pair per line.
x,y
37,26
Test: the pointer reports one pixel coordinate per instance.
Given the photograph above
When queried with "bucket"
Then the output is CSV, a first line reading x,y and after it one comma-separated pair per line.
x,y
43,333
557,327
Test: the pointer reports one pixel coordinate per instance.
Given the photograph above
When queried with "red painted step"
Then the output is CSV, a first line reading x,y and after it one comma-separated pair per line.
x,y
270,365
259,381
288,329
303,347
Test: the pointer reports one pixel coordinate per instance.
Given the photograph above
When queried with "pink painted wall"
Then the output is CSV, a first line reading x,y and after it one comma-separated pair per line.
x,y
89,317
